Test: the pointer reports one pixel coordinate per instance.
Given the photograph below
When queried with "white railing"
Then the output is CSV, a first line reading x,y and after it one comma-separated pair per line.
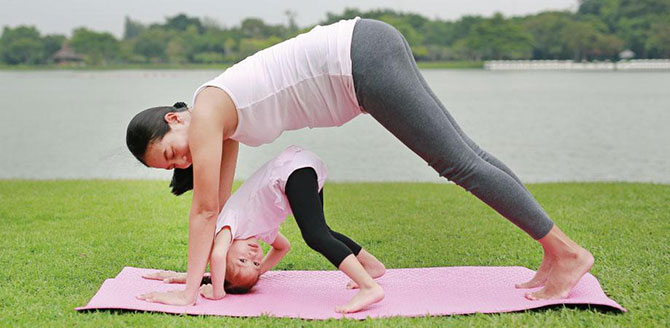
x,y
636,64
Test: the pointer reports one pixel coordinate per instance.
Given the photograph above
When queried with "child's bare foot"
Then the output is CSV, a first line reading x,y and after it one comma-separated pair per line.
x,y
363,298
566,270
370,263
207,291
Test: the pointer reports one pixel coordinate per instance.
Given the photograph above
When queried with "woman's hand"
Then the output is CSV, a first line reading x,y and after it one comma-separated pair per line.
x,y
207,291
168,277
173,297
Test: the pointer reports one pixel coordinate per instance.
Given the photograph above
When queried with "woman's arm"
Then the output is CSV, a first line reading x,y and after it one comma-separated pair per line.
x,y
280,247
213,117
228,165
212,110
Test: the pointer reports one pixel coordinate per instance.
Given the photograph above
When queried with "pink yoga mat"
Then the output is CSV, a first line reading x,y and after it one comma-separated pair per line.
x,y
314,294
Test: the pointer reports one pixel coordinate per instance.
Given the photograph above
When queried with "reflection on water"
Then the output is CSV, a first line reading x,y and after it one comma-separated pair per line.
x,y
547,126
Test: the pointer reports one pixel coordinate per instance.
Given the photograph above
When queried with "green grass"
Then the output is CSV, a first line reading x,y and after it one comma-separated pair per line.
x,y
5,67
61,239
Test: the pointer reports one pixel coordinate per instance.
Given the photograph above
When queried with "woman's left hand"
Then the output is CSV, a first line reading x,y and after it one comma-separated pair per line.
x,y
173,297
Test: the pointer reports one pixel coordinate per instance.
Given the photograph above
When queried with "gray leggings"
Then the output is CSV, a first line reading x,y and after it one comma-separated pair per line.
x,y
390,87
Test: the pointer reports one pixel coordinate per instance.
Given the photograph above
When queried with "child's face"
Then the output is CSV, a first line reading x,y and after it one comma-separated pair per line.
x,y
246,256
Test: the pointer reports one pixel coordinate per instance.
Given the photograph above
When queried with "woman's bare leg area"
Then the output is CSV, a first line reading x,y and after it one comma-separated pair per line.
x,y
563,265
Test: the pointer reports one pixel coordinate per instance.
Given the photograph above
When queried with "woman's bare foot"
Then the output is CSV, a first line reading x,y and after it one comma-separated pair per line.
x,y
374,267
541,275
565,273
363,298
564,264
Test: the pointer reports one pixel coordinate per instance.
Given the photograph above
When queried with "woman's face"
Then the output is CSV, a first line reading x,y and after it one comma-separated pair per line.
x,y
172,150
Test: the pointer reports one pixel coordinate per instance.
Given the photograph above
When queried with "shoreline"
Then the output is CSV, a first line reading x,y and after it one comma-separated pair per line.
x,y
340,182
13,68
657,65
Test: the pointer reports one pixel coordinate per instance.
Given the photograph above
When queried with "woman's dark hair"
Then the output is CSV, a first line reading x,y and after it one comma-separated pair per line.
x,y
149,126
182,180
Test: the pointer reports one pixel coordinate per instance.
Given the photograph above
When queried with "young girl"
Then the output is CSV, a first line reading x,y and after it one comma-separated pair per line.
x,y
291,182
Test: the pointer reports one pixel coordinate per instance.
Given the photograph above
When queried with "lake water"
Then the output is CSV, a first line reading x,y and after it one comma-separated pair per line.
x,y
547,126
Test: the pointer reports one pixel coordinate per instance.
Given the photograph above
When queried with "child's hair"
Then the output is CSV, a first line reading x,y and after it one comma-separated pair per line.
x,y
148,126
238,289
236,283
242,287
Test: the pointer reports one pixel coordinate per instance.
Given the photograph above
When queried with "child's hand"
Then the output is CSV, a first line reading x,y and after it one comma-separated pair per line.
x,y
207,291
168,277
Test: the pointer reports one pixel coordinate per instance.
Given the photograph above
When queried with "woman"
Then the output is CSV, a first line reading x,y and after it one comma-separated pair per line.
x,y
325,78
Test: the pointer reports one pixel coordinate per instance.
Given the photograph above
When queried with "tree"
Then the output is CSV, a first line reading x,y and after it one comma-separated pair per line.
x,y
21,45
131,28
658,43
152,44
97,47
250,46
461,29
292,26
348,13
630,20
607,10
497,38
212,42
52,43
413,37
436,33
634,31
585,42
257,29
181,22
547,30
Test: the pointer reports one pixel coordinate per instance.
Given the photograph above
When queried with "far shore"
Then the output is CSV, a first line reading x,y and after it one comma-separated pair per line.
x,y
160,66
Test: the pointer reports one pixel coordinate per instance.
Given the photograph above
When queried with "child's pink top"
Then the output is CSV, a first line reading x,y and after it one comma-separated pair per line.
x,y
259,206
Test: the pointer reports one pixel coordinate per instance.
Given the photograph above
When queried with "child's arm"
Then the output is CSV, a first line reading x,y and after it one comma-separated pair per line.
x,y
217,265
280,247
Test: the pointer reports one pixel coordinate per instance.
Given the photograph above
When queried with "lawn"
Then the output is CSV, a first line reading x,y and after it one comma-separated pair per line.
x,y
61,239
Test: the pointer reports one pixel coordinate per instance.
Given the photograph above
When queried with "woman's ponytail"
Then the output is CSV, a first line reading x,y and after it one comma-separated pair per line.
x,y
182,180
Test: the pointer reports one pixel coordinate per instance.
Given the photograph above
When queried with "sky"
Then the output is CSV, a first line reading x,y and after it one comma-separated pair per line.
x,y
62,16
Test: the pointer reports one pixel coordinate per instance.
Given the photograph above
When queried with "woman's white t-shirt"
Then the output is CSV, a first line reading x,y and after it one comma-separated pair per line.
x,y
305,81
259,206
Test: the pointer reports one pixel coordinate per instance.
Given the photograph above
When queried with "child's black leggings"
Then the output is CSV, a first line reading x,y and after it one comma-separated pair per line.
x,y
302,191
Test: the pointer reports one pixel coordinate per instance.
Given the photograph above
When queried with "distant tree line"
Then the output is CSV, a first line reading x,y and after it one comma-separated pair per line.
x,y
599,30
